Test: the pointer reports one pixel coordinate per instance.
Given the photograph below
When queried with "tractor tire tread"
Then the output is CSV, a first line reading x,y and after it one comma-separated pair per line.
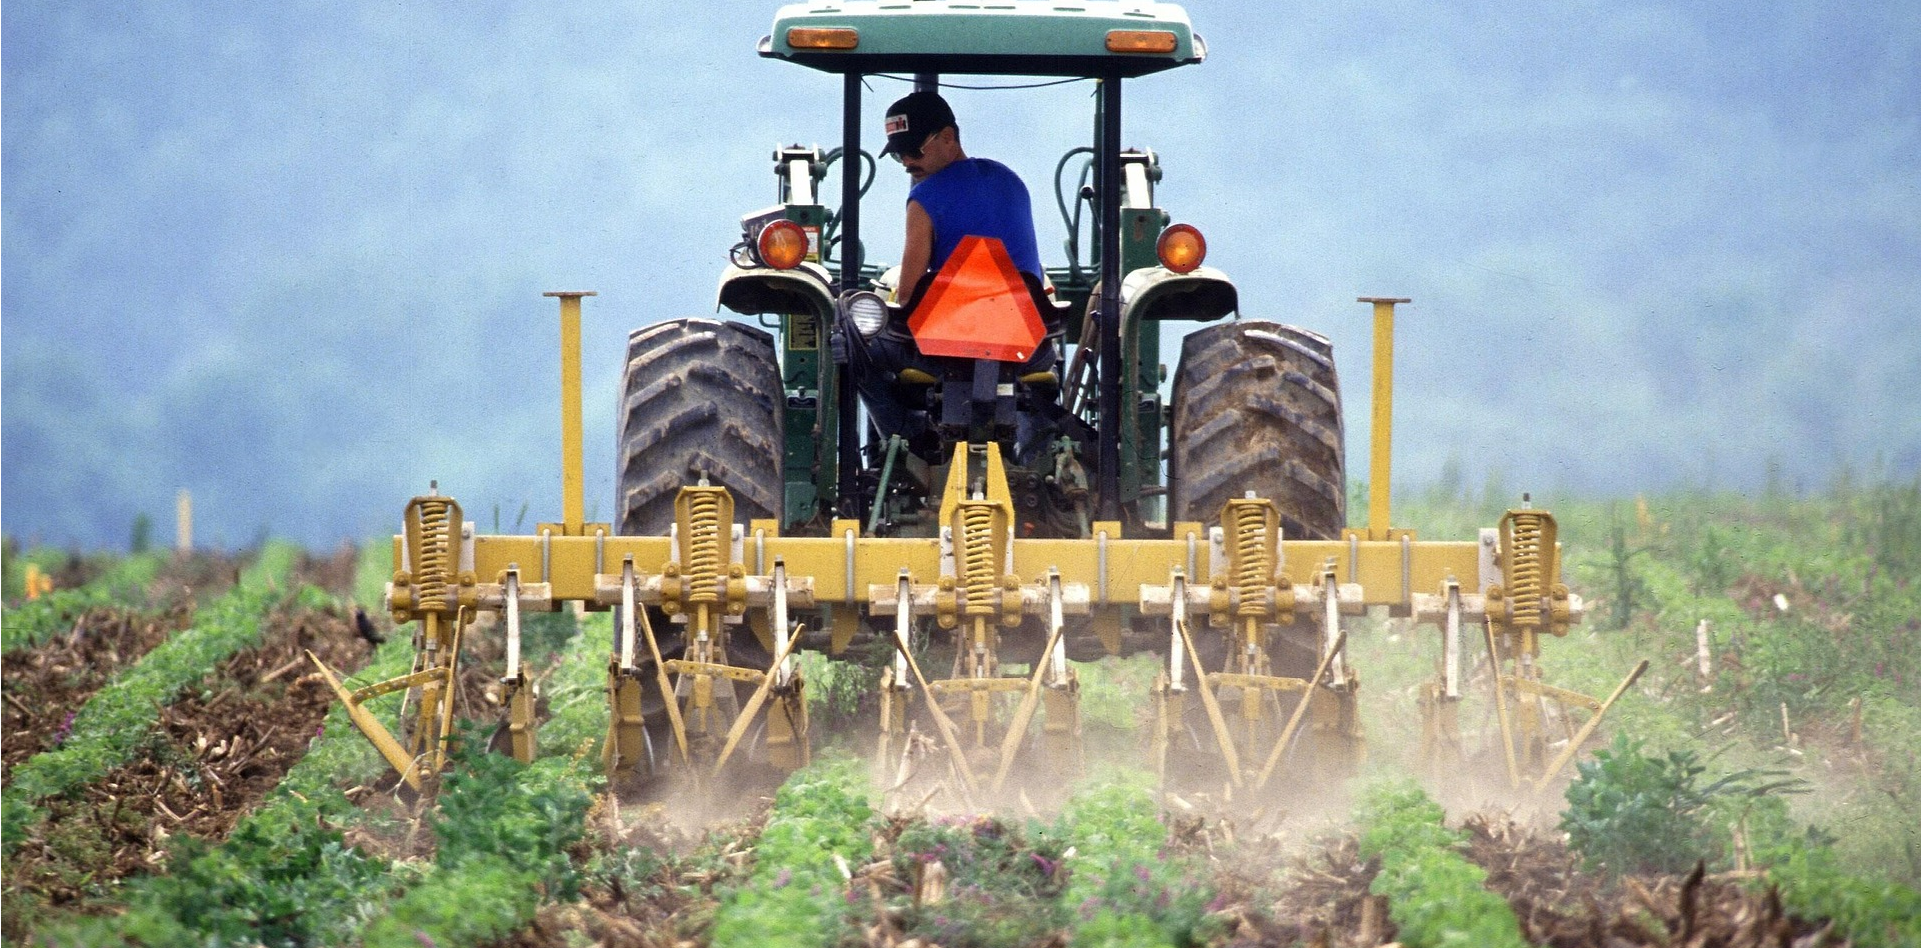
x,y
1257,407
699,397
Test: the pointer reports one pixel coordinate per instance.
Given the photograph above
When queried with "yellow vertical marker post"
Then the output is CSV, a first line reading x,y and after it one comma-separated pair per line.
x,y
183,522
573,471
1379,474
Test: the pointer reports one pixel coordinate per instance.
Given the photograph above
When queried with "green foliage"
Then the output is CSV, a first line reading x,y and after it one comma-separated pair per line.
x,y
841,692
117,722
1891,528
1435,895
290,882
503,832
1625,587
795,896
1111,690
1630,811
576,689
1123,886
35,621
489,898
1872,913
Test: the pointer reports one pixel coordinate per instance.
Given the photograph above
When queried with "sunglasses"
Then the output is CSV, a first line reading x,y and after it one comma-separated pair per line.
x,y
904,155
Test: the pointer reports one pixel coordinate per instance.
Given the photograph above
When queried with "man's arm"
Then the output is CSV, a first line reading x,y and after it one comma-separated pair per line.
x,y
915,254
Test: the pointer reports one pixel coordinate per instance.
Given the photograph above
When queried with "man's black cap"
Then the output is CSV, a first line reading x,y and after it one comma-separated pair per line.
x,y
913,118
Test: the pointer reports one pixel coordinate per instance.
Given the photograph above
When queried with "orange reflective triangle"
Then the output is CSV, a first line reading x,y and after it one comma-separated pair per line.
x,y
979,307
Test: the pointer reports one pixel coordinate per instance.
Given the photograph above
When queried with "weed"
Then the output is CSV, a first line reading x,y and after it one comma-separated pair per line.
x,y
1631,811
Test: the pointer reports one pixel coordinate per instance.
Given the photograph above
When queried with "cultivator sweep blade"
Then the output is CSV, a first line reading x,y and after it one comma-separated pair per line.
x,y
1255,688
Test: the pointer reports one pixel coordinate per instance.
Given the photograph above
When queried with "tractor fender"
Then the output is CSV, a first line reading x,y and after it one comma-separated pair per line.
x,y
1203,295
806,290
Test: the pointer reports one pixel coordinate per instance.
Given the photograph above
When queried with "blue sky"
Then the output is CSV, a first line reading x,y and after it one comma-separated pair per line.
x,y
290,256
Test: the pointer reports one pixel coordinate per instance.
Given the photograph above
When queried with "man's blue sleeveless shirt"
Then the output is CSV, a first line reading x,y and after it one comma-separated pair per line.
x,y
979,197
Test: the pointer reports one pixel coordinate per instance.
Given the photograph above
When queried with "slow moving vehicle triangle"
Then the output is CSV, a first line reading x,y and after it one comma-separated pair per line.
x,y
979,307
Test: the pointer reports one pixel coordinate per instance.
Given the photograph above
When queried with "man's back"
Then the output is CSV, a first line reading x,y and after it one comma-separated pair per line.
x,y
982,198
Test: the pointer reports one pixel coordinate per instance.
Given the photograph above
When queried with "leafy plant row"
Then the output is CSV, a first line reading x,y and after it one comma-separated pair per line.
x,y
1435,895
285,875
795,896
504,830
113,726
1123,890
37,620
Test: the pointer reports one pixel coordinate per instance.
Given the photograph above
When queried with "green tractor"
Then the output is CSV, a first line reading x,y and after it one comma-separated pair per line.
x,y
775,418
1087,440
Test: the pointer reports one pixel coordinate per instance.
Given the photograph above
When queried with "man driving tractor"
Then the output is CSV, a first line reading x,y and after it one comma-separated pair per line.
x,y
953,197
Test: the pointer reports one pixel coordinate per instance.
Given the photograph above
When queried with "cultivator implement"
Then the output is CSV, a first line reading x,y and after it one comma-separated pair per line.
x,y
1225,598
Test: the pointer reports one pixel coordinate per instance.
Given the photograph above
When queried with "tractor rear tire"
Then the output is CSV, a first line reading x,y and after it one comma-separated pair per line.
x,y
699,398
1257,407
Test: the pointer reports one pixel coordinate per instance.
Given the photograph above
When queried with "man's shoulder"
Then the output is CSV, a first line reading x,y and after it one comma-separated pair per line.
x,y
988,167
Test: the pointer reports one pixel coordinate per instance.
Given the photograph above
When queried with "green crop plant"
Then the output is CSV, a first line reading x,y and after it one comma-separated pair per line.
x,y
1436,897
503,832
1871,912
576,684
1631,811
291,880
283,876
37,620
795,895
1123,891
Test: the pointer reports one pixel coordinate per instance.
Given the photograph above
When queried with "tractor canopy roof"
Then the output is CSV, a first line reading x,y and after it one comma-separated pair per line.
x,y
1100,38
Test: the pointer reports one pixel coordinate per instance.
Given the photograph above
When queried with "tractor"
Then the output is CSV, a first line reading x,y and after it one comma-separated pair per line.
x,y
1056,510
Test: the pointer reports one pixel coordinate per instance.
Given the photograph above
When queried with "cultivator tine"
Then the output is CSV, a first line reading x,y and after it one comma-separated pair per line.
x,y
1300,710
1222,735
752,708
1440,699
941,720
627,740
787,738
1500,709
1587,730
519,693
376,732
668,694
1047,666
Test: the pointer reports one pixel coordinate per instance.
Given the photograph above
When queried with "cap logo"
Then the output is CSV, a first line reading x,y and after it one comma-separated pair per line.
x,y
896,124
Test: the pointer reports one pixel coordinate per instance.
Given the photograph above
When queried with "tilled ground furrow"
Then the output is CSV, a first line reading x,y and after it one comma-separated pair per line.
x,y
218,750
44,686
1560,904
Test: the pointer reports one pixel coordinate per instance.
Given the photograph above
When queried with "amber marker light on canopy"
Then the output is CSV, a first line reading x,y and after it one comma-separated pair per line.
x,y
783,245
818,37
1141,41
1181,248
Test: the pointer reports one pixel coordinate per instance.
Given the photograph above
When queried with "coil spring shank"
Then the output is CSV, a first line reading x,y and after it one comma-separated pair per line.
x,y
979,567
1253,557
1527,567
705,559
435,560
